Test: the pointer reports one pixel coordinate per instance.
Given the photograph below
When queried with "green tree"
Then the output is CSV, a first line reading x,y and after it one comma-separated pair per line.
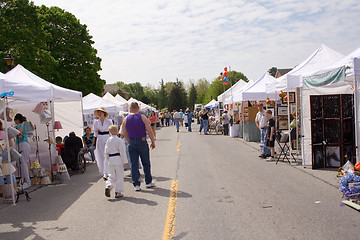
x,y
162,99
201,86
136,90
70,45
192,96
272,71
21,32
177,96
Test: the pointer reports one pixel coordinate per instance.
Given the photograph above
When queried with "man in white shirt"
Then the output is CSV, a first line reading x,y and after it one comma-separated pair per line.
x,y
261,122
177,117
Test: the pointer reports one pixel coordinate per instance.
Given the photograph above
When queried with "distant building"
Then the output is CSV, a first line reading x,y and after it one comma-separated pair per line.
x,y
115,89
281,72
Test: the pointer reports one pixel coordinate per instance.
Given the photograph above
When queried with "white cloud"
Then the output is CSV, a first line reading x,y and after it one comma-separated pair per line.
x,y
149,40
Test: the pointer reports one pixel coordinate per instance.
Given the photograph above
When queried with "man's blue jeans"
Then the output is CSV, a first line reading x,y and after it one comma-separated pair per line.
x,y
263,149
204,124
189,126
92,153
177,123
139,148
167,122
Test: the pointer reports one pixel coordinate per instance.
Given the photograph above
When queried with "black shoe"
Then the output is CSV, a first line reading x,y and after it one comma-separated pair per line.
x,y
118,195
262,156
107,192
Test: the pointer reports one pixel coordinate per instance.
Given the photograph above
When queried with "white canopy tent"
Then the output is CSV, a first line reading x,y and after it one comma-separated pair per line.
x,y
322,57
111,98
143,106
336,78
120,98
226,97
91,102
29,90
211,104
256,90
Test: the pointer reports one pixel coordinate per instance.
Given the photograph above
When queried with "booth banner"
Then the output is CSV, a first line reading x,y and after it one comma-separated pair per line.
x,y
324,79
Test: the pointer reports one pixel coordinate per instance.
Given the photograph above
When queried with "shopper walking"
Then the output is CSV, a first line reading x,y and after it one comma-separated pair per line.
x,y
189,116
167,118
177,117
101,132
225,122
204,121
261,122
153,120
134,130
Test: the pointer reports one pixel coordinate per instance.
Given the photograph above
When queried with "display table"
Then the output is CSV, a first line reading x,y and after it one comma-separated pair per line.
x,y
234,130
251,132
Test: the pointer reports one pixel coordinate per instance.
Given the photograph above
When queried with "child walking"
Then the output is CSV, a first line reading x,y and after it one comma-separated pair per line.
x,y
115,155
270,135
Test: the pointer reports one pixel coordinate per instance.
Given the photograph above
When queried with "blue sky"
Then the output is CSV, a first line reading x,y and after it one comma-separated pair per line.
x,y
147,41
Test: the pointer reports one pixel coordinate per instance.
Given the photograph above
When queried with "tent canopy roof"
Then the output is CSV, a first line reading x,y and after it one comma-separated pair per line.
x,y
232,90
322,57
24,76
256,90
112,99
91,102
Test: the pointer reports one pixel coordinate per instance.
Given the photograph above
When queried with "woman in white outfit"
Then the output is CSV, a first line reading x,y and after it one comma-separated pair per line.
x,y
101,132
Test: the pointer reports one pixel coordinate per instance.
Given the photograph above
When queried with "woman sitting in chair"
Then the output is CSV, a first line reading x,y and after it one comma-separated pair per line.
x,y
89,143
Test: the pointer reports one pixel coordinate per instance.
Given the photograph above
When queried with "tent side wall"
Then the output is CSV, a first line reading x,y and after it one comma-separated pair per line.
x,y
70,116
306,115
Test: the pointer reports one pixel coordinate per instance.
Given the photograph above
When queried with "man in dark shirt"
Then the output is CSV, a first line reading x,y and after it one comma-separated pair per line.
x,y
73,145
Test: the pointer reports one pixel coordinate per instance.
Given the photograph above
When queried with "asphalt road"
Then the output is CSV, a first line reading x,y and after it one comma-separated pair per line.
x,y
224,192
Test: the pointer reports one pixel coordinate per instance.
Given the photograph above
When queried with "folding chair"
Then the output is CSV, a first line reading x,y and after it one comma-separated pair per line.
x,y
283,141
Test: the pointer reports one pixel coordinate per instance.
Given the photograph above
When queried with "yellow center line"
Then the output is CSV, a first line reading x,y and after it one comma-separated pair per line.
x,y
169,229
178,146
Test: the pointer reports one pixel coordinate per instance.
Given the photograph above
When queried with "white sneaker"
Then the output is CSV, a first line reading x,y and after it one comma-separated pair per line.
x,y
150,185
270,159
26,185
137,188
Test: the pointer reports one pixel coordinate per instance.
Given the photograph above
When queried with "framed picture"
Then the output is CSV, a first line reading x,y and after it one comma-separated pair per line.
x,y
282,111
283,124
291,98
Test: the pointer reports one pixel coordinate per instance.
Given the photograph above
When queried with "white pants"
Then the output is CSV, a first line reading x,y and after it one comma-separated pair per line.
x,y
116,178
100,154
24,148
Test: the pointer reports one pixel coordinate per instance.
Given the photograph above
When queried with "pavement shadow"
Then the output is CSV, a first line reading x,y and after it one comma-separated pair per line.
x,y
157,179
135,200
166,192
22,233
49,202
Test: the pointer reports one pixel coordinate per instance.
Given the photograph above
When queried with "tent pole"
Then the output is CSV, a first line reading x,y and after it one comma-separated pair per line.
x,y
302,127
356,107
288,103
8,149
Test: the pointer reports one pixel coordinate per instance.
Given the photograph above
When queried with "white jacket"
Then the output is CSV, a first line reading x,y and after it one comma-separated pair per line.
x,y
115,145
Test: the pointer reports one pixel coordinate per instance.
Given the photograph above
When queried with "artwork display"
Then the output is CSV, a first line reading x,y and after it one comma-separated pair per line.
x,y
282,111
283,124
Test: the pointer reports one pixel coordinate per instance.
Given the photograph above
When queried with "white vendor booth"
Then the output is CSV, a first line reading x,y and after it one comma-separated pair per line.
x,y
63,104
